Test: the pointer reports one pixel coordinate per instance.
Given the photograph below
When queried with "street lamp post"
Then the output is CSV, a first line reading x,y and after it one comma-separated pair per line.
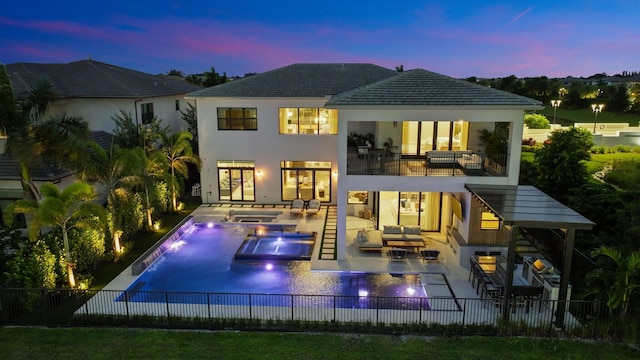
x,y
596,108
555,104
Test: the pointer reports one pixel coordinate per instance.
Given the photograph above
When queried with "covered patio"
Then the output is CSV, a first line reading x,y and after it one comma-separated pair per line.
x,y
527,207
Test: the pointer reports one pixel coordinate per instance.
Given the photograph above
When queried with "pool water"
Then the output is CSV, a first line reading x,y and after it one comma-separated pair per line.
x,y
277,245
203,262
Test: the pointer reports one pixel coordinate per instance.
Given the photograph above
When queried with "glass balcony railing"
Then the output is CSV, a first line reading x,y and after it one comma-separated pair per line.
x,y
433,163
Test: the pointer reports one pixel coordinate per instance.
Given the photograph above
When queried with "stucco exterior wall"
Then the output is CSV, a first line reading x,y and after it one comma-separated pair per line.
x,y
265,146
98,112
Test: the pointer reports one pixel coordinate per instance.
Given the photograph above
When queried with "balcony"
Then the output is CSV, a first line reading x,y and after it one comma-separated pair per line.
x,y
434,163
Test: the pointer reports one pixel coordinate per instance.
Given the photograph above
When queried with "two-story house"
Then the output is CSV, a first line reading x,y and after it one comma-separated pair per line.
x,y
412,148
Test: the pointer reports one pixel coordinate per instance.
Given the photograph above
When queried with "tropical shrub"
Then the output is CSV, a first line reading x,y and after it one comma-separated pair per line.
x,y
536,121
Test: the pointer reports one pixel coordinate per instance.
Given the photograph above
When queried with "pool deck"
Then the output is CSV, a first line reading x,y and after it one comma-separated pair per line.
x,y
442,280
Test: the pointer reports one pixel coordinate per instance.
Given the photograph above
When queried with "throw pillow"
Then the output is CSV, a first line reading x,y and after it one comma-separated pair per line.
x,y
413,230
392,229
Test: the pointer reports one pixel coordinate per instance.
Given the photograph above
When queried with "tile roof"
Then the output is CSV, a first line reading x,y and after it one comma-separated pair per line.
x,y
42,170
422,87
301,80
94,79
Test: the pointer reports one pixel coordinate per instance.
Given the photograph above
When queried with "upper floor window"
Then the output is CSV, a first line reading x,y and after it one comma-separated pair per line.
x,y
237,119
308,121
146,111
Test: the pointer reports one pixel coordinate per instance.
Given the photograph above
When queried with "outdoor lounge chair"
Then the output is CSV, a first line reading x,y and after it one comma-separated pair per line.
x,y
297,207
396,254
313,207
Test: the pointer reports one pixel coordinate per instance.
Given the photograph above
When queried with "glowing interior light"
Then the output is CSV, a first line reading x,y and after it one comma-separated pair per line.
x,y
269,267
210,225
411,291
362,292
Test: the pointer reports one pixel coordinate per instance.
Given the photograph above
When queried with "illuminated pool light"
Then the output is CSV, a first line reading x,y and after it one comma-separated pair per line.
x,y
411,291
175,246
269,266
210,225
363,293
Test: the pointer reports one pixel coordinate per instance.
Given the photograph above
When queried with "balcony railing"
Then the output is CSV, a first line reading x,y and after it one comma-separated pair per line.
x,y
437,163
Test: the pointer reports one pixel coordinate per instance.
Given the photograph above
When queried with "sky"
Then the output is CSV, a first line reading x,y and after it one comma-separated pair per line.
x,y
462,38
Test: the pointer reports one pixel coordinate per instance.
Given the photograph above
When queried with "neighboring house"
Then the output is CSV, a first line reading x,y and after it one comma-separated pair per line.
x,y
283,134
97,91
41,172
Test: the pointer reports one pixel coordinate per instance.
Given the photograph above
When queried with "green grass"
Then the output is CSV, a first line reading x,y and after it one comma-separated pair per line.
x,y
598,161
568,117
82,343
143,241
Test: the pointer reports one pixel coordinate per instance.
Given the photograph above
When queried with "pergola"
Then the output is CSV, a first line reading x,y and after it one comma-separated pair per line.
x,y
526,206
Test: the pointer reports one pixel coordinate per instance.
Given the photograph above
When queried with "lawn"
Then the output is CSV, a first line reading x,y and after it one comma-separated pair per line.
x,y
82,343
597,161
567,117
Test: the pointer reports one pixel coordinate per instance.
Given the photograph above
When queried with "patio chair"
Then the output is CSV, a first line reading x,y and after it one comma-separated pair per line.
x,y
297,207
313,207
396,254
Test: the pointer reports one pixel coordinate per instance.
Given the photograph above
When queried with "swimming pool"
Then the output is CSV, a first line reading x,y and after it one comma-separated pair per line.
x,y
200,268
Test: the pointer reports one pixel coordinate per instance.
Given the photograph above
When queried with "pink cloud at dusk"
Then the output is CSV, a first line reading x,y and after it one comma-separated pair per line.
x,y
576,38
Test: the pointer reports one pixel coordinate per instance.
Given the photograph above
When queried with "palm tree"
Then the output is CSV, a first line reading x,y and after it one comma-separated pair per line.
x,y
178,152
67,209
37,100
617,276
115,171
154,165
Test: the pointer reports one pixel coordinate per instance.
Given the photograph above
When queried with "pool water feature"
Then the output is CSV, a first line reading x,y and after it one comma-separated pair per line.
x,y
277,245
202,269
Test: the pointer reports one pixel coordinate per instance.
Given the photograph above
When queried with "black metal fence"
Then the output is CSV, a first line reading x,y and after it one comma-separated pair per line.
x,y
434,316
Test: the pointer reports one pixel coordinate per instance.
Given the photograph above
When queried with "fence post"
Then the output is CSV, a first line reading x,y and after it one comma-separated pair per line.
x,y
464,313
292,306
126,305
334,308
166,299
250,308
377,309
3,309
44,305
420,311
209,309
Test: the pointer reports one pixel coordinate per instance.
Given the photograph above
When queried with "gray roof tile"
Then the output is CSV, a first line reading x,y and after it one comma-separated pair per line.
x,y
300,80
421,87
94,79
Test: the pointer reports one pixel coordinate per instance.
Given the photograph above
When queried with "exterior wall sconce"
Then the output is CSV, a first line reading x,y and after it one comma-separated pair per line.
x,y
335,174
259,173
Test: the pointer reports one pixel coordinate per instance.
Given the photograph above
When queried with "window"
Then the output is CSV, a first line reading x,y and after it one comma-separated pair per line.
x,y
421,136
309,121
306,180
146,111
237,119
410,208
236,180
489,221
